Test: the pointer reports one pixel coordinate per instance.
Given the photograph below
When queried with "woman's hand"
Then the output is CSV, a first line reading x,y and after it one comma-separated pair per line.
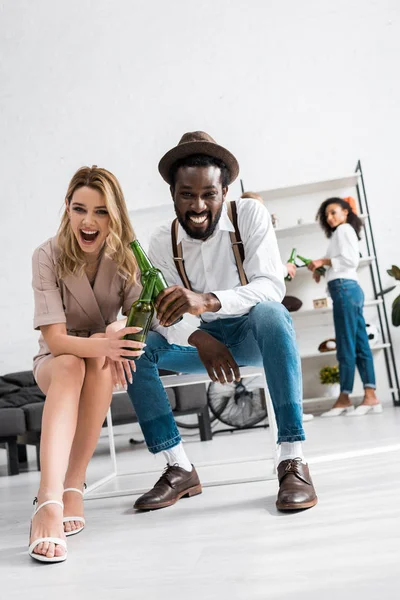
x,y
118,349
316,264
121,371
317,276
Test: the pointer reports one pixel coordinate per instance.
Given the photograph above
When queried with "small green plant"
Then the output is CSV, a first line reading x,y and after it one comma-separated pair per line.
x,y
329,375
395,272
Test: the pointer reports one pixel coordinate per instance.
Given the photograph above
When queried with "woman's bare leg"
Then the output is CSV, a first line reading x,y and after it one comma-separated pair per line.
x,y
93,405
61,379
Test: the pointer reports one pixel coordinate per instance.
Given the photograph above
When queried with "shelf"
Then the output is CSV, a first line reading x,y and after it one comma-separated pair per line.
x,y
303,229
328,309
333,352
311,187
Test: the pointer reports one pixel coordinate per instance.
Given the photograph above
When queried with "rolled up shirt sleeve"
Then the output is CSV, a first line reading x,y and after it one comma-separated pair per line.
x,y
262,264
346,255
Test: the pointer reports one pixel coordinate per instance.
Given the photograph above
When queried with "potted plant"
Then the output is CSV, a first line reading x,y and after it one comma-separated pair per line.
x,y
395,272
329,376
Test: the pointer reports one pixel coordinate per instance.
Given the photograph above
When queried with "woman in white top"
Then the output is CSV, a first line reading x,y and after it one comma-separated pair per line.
x,y
342,226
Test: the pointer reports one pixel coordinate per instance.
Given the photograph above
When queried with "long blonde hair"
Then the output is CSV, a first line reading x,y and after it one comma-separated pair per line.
x,y
72,259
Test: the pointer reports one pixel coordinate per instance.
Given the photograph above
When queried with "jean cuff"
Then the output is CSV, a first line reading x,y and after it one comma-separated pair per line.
x,y
165,445
291,438
372,386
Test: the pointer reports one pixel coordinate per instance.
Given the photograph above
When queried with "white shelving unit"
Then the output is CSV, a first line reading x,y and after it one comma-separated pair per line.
x,y
296,207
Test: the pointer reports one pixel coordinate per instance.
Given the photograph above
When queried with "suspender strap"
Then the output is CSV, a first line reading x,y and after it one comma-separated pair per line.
x,y
236,241
178,255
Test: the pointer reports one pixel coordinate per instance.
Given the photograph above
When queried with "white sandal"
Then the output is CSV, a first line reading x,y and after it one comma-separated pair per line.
x,y
80,519
337,412
54,540
363,409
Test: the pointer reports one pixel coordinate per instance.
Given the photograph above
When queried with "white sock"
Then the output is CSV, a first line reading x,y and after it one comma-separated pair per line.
x,y
291,450
177,456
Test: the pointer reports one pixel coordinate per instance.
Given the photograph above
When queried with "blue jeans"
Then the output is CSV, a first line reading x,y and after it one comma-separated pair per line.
x,y
352,345
265,336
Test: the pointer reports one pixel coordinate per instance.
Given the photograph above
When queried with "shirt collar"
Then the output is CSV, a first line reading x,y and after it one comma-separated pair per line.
x,y
224,224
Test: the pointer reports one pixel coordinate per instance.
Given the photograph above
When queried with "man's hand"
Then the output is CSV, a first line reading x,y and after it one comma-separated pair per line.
x,y
291,269
176,300
215,356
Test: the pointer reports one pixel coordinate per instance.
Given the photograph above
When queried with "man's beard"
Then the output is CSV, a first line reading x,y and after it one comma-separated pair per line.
x,y
199,235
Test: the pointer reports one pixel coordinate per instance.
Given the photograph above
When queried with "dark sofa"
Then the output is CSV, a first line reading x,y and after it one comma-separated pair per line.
x,y
21,407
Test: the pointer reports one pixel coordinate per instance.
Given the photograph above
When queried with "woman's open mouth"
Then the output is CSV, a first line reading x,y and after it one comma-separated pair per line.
x,y
88,237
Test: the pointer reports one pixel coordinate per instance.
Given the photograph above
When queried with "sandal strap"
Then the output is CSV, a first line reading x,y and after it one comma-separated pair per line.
x,y
48,502
81,519
54,540
73,490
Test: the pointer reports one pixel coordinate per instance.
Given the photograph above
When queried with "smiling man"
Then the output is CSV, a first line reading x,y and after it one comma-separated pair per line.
x,y
242,319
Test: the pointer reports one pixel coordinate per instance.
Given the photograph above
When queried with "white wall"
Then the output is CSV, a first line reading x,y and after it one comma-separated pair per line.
x,y
297,90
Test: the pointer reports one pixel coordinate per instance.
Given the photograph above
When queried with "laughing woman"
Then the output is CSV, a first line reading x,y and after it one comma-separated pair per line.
x,y
81,279
342,226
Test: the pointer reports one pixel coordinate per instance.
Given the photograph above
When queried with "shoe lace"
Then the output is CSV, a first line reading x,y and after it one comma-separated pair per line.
x,y
168,469
293,465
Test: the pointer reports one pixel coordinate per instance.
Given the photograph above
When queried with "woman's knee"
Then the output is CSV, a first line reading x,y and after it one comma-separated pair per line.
x,y
70,367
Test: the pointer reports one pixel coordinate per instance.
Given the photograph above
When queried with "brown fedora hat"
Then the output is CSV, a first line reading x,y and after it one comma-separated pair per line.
x,y
198,142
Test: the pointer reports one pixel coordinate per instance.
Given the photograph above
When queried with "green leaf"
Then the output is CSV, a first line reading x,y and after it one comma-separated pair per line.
x,y
395,272
396,312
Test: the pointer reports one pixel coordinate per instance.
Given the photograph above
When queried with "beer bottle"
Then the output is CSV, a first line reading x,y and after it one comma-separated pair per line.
x,y
145,266
306,261
291,261
142,311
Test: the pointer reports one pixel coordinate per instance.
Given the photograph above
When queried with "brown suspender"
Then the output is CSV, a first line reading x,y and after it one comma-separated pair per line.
x,y
178,255
236,241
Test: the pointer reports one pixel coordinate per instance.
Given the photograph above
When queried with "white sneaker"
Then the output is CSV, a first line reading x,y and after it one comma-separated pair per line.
x,y
363,409
307,417
337,412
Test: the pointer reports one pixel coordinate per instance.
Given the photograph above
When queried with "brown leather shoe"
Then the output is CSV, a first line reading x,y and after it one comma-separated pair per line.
x,y
296,490
174,484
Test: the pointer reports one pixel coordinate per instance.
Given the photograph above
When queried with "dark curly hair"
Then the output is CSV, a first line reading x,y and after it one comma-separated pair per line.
x,y
199,160
352,218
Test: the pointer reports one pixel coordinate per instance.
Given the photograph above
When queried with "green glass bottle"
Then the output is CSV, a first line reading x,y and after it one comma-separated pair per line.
x,y
142,311
306,261
291,261
145,266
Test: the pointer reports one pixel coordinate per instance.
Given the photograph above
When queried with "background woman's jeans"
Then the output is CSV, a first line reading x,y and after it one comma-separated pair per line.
x,y
352,345
263,337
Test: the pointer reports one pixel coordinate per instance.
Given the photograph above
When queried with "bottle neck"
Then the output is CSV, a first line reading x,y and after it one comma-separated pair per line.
x,y
142,259
304,260
148,289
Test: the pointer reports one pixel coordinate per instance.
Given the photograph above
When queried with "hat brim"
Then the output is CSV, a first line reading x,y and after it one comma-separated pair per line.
x,y
190,148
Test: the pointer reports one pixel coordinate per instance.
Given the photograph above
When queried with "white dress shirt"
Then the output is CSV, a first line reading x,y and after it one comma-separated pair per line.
x,y
211,267
344,254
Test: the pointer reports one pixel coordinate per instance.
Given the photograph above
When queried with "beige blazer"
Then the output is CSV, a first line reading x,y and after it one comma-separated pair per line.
x,y
72,300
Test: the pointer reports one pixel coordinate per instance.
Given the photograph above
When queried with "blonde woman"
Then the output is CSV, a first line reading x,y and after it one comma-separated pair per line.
x,y
81,279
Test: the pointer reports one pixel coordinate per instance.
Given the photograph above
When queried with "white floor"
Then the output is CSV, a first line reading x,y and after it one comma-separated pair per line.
x,y
229,542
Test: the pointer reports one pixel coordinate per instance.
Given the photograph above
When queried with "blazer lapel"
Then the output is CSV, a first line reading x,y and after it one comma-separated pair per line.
x,y
104,287
83,293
